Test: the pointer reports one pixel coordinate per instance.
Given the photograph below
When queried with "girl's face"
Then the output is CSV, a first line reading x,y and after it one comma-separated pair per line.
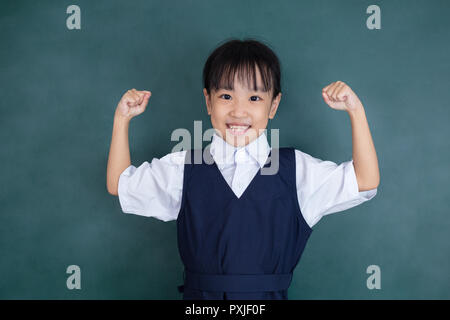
x,y
239,116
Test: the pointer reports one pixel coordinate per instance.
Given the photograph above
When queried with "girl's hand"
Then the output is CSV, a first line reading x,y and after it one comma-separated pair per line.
x,y
340,96
133,103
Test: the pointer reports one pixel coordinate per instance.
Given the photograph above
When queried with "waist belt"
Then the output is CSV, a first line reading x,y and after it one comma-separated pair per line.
x,y
236,282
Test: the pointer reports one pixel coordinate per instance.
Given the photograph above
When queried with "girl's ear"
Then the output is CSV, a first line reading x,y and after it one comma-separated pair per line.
x,y
207,100
274,106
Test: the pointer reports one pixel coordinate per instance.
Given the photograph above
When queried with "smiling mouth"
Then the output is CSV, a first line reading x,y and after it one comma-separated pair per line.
x,y
237,130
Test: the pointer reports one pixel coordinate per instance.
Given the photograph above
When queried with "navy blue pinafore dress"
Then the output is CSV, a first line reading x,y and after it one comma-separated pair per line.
x,y
239,248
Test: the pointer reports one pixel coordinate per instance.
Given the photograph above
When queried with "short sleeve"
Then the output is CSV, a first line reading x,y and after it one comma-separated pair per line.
x,y
324,187
153,189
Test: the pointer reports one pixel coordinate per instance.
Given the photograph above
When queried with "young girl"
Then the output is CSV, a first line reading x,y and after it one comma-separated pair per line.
x,y
241,233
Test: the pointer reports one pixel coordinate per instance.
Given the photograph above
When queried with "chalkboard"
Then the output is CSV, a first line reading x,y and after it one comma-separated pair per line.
x,y
60,85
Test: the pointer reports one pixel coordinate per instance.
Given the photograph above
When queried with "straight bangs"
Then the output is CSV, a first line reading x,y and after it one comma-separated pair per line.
x,y
245,70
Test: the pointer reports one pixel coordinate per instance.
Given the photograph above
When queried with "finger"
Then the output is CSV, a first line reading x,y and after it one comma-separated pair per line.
x,y
330,91
131,98
141,96
326,88
141,107
343,93
325,97
333,90
144,102
136,97
146,95
128,97
325,92
337,90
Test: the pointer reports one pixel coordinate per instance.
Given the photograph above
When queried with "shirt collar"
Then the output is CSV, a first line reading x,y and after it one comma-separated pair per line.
x,y
224,153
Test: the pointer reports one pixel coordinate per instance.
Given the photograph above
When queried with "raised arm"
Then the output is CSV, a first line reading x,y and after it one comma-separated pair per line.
x,y
340,96
365,158
132,103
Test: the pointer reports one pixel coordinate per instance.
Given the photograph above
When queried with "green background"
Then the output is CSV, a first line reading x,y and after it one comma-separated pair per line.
x,y
60,87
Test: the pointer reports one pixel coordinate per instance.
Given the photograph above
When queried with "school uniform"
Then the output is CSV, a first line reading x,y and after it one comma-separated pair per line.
x,y
241,232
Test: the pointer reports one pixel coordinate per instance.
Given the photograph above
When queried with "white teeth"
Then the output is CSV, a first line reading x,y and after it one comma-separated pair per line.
x,y
238,130
238,127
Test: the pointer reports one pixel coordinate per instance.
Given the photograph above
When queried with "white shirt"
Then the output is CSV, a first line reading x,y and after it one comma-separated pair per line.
x,y
323,187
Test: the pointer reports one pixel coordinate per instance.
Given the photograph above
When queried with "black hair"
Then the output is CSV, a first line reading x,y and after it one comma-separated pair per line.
x,y
242,56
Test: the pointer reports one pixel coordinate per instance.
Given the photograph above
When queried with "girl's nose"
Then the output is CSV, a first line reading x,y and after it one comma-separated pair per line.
x,y
238,110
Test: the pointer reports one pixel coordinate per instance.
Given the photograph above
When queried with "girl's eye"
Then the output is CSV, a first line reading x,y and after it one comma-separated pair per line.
x,y
228,97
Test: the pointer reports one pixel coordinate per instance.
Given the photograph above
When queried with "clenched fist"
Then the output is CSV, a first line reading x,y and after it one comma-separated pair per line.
x,y
338,95
133,103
